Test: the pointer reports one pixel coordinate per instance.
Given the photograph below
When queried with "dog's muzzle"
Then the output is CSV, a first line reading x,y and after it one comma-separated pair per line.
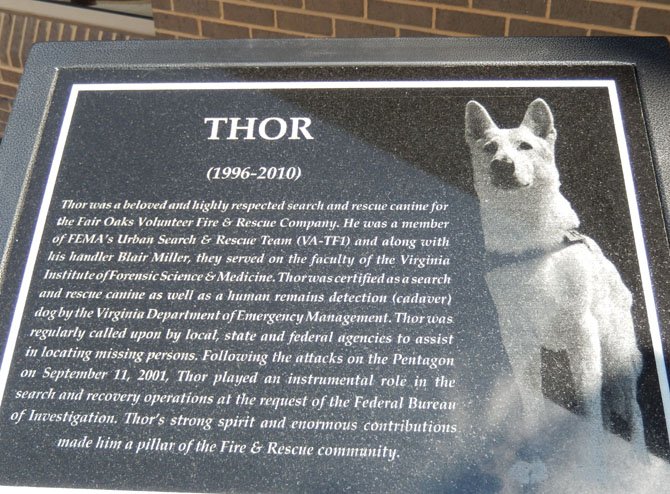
x,y
502,174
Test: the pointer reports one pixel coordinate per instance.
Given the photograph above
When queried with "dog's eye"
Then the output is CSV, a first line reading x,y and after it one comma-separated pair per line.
x,y
524,146
490,147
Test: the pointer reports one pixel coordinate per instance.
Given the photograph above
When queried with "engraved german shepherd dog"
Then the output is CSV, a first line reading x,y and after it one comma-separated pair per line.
x,y
552,287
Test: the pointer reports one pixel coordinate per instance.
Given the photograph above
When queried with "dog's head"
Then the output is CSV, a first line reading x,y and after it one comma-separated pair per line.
x,y
510,160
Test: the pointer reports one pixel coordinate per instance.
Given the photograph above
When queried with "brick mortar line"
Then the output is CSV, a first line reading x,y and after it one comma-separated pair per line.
x,y
538,20
19,53
61,31
36,28
239,24
455,8
268,6
178,33
40,17
248,27
47,30
8,18
292,11
429,30
507,23
633,21
65,23
48,34
270,28
425,3
10,37
284,31
295,11
634,3
450,34
547,12
311,35
627,3
510,16
394,26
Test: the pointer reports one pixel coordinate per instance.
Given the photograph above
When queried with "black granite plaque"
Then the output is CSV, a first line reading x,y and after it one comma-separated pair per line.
x,y
329,274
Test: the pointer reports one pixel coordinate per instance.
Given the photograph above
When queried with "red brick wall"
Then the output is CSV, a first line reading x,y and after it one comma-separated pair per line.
x,y
199,19
19,32
196,19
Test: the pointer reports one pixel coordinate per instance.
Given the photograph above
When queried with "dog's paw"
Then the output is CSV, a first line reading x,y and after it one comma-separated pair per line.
x,y
525,473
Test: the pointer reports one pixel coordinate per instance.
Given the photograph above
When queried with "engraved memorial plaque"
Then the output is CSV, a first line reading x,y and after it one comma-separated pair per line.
x,y
335,274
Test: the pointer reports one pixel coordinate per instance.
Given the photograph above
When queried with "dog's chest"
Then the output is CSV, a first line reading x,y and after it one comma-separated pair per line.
x,y
522,286
537,298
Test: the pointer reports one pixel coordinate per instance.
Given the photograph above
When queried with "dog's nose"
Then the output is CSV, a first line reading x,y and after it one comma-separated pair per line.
x,y
503,167
503,173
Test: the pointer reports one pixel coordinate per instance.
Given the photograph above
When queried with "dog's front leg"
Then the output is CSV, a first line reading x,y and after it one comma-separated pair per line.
x,y
586,366
527,368
529,470
520,336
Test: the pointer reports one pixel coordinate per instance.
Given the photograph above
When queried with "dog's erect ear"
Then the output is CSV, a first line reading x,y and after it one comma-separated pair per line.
x,y
477,121
539,120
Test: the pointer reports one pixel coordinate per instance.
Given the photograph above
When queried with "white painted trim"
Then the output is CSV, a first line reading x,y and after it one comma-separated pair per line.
x,y
250,85
97,18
